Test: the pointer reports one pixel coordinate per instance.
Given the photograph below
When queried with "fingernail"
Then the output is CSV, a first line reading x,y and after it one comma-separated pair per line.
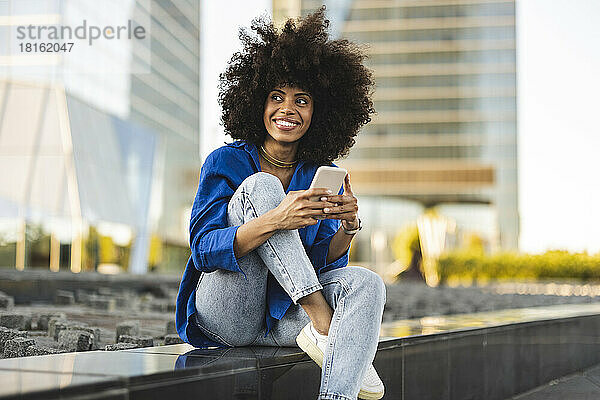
x,y
323,198
329,191
326,209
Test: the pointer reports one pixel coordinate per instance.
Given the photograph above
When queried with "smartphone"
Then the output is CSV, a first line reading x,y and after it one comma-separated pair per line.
x,y
331,178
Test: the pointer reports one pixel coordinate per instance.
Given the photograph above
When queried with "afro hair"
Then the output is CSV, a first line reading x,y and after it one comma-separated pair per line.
x,y
301,55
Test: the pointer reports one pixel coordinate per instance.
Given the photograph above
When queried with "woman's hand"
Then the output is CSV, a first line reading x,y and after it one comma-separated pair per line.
x,y
296,210
346,206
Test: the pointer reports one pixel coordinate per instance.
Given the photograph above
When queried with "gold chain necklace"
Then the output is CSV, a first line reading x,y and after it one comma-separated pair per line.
x,y
274,161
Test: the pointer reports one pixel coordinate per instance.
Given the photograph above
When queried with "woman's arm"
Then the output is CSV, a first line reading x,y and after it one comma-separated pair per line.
x,y
339,245
254,233
295,211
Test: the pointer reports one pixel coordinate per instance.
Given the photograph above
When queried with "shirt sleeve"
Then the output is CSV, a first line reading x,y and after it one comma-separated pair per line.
x,y
320,248
211,237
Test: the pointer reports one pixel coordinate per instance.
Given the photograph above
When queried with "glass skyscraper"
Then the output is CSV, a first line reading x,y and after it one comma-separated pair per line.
x,y
104,138
445,133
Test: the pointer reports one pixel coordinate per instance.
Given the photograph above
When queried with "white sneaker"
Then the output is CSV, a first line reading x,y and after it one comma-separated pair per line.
x,y
372,387
314,344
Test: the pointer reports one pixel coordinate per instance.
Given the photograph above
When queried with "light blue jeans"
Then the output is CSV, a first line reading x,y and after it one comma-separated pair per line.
x,y
231,309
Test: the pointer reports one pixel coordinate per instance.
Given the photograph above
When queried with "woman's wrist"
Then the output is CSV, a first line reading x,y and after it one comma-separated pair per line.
x,y
271,220
351,229
351,225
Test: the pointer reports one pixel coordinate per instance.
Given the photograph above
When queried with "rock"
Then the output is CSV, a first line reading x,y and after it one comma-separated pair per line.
x,y
82,296
157,291
15,321
52,322
7,334
33,333
106,291
56,328
142,341
170,328
64,297
94,331
122,301
17,347
61,325
129,328
6,302
75,340
38,350
162,306
43,319
103,303
173,339
121,346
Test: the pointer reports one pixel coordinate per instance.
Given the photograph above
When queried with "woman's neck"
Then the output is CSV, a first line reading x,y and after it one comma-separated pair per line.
x,y
281,151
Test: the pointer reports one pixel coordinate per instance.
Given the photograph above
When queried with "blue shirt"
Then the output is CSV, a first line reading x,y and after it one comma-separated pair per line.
x,y
211,239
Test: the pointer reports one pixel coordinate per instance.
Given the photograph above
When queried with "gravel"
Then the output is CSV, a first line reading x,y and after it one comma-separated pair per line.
x,y
121,346
129,328
142,341
406,300
17,347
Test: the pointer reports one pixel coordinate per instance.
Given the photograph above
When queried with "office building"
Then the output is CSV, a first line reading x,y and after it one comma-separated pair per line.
x,y
106,139
445,133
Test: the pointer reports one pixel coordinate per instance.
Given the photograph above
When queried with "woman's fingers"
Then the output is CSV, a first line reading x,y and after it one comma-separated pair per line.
x,y
340,198
341,208
310,221
320,204
315,192
348,216
313,213
347,187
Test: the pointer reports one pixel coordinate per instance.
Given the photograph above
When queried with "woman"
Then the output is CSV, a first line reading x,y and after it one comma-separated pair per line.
x,y
269,266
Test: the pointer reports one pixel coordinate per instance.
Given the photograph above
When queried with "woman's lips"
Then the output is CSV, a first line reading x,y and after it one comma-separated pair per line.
x,y
285,125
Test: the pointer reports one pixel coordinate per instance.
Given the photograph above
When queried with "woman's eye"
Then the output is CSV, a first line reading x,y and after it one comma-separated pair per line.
x,y
302,101
276,97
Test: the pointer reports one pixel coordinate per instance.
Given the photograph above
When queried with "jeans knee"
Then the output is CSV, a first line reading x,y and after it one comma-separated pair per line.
x,y
381,289
371,284
262,181
265,188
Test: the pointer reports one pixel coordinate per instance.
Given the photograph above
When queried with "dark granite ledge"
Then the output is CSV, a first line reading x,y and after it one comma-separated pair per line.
x,y
485,358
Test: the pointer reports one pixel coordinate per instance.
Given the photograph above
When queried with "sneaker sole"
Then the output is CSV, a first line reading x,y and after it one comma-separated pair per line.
x,y
310,348
313,351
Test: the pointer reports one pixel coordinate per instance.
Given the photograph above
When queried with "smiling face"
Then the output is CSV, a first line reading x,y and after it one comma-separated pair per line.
x,y
288,112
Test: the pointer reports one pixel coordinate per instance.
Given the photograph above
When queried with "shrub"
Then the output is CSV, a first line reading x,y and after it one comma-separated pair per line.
x,y
554,264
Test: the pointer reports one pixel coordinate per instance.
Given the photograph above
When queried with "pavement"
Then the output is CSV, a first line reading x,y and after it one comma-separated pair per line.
x,y
584,385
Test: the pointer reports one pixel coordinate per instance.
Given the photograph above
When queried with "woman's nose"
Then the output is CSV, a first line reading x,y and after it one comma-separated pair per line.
x,y
286,110
287,107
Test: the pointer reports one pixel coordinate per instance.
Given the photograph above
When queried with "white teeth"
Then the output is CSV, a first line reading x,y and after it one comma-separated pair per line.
x,y
285,123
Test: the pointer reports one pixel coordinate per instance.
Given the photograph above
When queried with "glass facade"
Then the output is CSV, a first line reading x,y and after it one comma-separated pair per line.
x,y
101,145
445,133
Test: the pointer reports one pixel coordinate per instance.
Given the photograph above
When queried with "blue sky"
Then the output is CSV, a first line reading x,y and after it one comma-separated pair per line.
x,y
558,52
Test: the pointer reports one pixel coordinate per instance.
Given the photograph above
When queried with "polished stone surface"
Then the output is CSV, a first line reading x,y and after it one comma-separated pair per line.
x,y
33,385
116,363
476,356
445,323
